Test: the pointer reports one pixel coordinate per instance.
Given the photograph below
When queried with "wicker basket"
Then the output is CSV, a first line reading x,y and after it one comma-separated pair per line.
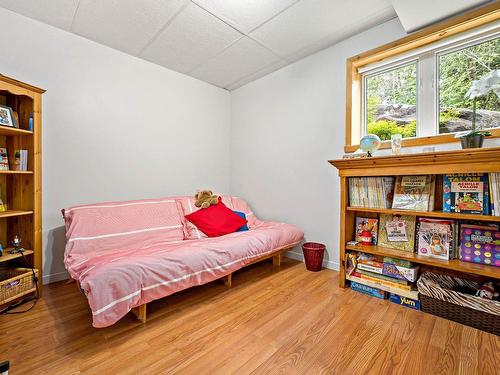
x,y
464,315
438,297
15,283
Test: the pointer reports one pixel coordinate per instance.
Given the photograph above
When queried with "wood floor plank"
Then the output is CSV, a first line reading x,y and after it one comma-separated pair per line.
x,y
272,321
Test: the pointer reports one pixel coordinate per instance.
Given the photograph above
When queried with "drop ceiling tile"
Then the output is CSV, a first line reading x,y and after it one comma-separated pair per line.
x,y
193,37
243,14
258,74
236,62
310,21
58,13
126,25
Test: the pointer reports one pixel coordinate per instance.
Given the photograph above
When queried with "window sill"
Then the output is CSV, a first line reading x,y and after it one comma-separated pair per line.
x,y
422,141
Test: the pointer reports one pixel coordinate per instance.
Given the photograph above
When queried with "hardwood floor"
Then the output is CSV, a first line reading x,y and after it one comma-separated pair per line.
x,y
286,321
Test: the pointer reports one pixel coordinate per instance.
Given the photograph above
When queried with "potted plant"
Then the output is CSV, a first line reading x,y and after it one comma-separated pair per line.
x,y
479,89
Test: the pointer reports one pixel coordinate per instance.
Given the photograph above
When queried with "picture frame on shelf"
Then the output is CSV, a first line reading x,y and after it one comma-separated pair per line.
x,y
7,117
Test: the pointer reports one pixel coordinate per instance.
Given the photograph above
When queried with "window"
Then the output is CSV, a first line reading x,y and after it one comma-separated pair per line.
x,y
391,102
392,99
457,70
416,86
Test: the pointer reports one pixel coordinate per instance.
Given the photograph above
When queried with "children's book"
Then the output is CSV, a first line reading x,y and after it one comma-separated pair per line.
x,y
413,192
397,232
4,159
435,238
466,193
480,244
368,224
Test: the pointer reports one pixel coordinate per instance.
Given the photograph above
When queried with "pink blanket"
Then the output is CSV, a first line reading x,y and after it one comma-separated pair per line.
x,y
121,265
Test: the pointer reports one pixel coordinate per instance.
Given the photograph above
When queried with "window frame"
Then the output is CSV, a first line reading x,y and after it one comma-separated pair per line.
x,y
405,50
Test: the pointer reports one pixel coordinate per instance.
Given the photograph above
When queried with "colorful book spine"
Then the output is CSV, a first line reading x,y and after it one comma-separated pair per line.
x,y
405,301
367,267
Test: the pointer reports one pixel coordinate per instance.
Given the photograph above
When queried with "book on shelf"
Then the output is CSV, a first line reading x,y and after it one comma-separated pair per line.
x,y
494,182
414,193
4,159
436,238
413,294
385,280
466,193
21,160
371,291
397,232
371,192
480,244
369,225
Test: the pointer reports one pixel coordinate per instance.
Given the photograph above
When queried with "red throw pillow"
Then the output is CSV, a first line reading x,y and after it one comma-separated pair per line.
x,y
216,220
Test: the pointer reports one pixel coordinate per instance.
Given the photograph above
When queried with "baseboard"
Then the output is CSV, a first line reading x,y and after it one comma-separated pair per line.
x,y
326,263
53,277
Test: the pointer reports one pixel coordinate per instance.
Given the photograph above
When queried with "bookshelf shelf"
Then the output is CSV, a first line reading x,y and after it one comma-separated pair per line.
x,y
453,264
439,214
11,213
7,257
16,172
7,130
481,160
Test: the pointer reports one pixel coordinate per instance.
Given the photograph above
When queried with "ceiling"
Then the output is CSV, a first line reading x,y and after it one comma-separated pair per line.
x,y
227,43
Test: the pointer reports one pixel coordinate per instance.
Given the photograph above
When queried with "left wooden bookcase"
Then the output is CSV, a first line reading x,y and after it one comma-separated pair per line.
x,y
21,191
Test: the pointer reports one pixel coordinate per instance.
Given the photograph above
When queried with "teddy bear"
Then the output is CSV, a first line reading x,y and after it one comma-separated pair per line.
x,y
205,198
488,291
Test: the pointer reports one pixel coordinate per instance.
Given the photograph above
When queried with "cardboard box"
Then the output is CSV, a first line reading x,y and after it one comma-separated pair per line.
x,y
405,301
374,292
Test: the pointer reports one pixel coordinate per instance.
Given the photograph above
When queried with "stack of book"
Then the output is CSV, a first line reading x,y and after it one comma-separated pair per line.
x,y
371,192
385,276
494,180
21,160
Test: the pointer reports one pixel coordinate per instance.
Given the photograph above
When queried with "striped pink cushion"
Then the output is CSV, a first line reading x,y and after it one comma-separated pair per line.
x,y
122,225
234,203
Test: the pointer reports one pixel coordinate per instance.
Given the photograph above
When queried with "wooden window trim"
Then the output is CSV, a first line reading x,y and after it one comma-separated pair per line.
x,y
428,35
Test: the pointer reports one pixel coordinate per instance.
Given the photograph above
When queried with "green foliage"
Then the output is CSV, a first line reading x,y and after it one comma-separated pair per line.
x,y
385,129
457,71
447,115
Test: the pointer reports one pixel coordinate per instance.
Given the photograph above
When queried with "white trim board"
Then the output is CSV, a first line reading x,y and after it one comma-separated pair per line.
x,y
54,277
326,263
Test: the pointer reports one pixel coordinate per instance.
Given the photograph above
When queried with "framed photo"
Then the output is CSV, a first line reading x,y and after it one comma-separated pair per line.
x,y
6,116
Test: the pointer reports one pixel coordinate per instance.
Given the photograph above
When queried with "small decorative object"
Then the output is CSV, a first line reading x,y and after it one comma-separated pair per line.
x,y
30,123
16,243
2,206
480,88
205,198
396,143
6,116
370,143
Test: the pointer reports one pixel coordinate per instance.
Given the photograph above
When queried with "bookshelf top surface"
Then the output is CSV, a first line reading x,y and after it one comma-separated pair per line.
x,y
440,214
456,161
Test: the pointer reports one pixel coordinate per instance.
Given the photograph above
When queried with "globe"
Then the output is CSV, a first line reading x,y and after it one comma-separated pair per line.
x,y
369,143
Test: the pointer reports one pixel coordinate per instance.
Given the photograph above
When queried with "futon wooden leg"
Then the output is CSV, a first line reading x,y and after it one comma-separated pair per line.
x,y
140,312
277,260
228,280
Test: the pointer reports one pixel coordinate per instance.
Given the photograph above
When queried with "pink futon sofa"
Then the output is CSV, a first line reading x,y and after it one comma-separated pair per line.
x,y
126,254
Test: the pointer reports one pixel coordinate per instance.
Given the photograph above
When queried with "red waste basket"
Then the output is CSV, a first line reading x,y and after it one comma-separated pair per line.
x,y
313,255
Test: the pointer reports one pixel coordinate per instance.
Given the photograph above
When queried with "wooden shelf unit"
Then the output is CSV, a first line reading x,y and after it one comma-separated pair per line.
x,y
483,160
21,190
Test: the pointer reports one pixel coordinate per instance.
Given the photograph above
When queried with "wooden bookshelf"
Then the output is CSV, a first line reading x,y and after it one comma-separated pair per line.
x,y
483,160
21,190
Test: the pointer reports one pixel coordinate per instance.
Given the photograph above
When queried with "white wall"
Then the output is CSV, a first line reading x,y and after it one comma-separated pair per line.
x,y
114,127
284,128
